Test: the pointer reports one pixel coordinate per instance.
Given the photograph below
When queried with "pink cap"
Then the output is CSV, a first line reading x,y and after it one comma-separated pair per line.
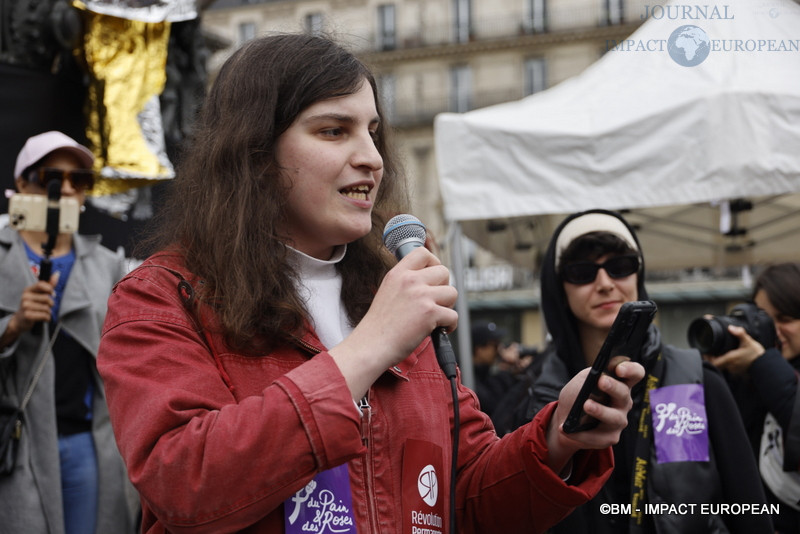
x,y
43,144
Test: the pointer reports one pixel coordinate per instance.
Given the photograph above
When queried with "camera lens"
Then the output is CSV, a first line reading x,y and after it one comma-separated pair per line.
x,y
711,336
701,335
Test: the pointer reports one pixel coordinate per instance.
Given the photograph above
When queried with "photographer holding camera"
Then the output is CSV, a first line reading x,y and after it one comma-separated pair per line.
x,y
763,374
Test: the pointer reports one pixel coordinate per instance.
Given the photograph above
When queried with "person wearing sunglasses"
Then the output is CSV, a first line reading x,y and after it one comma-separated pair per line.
x,y
594,264
68,476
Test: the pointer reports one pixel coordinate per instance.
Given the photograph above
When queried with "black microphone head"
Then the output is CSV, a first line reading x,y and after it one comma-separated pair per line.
x,y
402,234
54,190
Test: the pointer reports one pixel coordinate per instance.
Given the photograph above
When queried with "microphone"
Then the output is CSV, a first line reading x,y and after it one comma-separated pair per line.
x,y
402,234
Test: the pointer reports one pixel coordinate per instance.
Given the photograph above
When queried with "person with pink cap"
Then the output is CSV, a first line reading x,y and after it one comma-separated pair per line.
x,y
67,476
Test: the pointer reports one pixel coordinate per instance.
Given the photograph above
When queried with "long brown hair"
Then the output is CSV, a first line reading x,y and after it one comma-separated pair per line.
x,y
227,200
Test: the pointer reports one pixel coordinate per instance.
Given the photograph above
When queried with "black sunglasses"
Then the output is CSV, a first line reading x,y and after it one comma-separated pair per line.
x,y
81,179
585,272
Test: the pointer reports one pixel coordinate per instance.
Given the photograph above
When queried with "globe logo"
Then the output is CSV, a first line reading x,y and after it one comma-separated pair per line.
x,y
689,46
428,485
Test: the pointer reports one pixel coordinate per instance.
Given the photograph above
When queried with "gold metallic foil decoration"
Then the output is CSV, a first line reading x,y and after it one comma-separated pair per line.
x,y
126,60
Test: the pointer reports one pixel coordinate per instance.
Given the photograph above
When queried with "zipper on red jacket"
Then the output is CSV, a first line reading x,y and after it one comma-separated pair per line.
x,y
366,435
366,417
366,430
307,346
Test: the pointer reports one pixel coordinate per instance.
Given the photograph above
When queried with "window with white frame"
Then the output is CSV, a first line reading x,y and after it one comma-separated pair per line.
x,y
535,75
462,20
387,29
247,31
314,23
460,88
387,89
614,12
536,16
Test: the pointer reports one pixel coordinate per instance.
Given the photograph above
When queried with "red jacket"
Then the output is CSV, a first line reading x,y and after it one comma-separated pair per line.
x,y
216,441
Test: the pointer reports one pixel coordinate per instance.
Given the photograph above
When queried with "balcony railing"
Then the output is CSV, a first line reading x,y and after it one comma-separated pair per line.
x,y
557,19
408,112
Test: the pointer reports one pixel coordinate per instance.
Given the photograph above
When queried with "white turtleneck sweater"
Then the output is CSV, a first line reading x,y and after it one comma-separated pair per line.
x,y
320,288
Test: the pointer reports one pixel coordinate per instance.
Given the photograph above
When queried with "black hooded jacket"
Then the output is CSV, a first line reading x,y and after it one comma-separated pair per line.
x,y
736,478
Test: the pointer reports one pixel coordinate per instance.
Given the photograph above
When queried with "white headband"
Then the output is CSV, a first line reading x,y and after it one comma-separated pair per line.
x,y
592,222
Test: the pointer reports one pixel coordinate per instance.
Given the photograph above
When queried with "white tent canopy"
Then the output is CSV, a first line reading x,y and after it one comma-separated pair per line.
x,y
639,131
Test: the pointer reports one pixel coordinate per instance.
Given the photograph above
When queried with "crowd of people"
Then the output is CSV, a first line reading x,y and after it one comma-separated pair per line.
x,y
270,368
593,264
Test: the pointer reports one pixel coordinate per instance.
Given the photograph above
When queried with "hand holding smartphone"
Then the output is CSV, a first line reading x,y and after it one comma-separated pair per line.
x,y
626,337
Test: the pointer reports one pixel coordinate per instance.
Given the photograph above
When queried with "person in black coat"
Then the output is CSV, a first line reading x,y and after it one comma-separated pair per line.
x,y
764,380
594,264
492,381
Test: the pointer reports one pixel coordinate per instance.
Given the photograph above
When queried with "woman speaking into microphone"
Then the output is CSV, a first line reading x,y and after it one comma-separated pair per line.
x,y
271,368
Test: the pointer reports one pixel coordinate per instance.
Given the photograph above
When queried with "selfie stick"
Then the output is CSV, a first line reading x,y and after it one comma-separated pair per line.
x,y
51,227
53,214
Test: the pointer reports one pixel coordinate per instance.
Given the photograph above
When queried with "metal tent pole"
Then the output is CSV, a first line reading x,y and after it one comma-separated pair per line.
x,y
462,307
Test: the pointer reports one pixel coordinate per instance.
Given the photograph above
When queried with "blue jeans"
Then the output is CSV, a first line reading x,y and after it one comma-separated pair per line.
x,y
79,485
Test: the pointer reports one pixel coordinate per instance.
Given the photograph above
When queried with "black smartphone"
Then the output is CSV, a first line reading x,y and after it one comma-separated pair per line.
x,y
625,338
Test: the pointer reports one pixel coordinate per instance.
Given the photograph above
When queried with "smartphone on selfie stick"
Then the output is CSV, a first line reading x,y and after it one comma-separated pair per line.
x,y
625,338
52,215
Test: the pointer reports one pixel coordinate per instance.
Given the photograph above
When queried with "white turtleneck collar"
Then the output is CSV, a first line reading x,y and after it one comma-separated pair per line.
x,y
320,287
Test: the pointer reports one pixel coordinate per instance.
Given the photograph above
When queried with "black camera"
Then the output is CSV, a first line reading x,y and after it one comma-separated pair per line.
x,y
711,336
